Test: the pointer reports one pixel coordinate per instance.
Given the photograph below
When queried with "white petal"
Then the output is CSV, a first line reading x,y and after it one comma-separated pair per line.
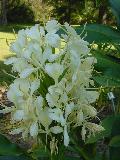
x,y
47,52
80,117
53,39
34,129
69,109
22,84
57,115
15,47
13,93
66,137
10,60
83,133
44,118
20,64
42,31
92,96
56,129
39,101
54,70
50,100
53,57
26,72
39,105
52,26
33,32
27,53
35,85
70,29
18,115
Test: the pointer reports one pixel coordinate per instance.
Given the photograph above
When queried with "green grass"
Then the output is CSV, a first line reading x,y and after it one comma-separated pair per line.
x,y
6,37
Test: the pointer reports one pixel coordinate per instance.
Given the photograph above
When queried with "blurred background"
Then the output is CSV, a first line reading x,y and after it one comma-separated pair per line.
x,y
71,11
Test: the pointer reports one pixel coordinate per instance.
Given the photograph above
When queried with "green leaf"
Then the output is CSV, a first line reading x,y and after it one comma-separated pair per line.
x,y
40,152
106,81
109,69
115,151
99,33
115,141
115,6
14,158
86,151
72,158
8,148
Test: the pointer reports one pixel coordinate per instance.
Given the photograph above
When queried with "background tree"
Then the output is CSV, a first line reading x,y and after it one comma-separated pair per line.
x,y
41,9
3,15
71,11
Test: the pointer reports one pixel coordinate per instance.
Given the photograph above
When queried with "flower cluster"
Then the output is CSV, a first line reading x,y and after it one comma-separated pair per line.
x,y
53,92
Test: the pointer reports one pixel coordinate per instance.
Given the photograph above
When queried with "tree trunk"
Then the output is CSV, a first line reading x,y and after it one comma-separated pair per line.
x,y
68,12
102,14
3,12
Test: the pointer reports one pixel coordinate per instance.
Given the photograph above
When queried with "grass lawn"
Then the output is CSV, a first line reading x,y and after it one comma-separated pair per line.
x,y
6,37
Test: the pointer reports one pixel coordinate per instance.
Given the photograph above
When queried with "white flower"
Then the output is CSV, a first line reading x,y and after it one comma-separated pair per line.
x,y
80,118
66,136
44,118
16,48
18,115
26,72
51,99
33,32
52,26
57,115
75,61
18,89
56,129
89,110
92,96
78,46
10,60
35,85
46,54
70,29
39,105
42,31
83,133
20,64
34,129
69,108
93,128
53,39
53,93
13,93
54,70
